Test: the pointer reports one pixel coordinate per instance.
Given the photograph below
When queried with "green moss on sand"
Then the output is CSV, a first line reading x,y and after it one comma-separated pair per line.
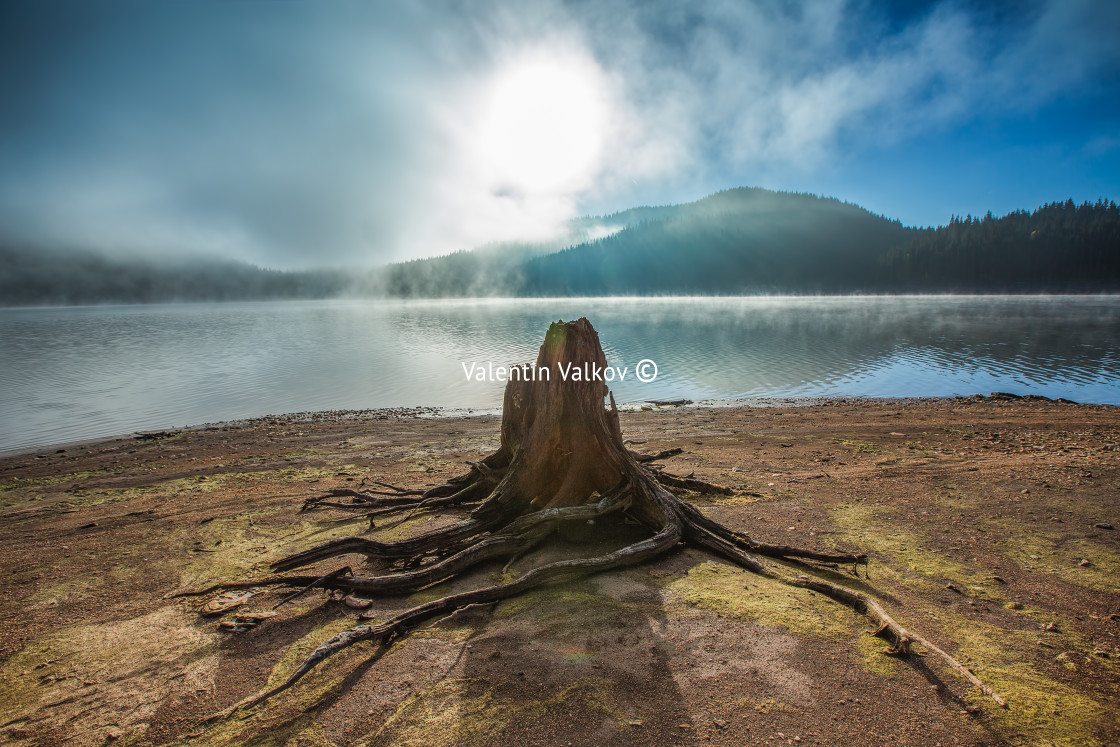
x,y
735,593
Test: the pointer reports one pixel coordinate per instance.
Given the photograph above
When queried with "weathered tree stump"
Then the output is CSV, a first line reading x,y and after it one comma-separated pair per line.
x,y
561,461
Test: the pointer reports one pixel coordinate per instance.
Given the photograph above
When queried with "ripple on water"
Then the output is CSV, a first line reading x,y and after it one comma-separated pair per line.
x,y
74,373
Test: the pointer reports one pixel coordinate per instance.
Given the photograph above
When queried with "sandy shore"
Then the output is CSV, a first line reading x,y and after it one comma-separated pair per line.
x,y
988,522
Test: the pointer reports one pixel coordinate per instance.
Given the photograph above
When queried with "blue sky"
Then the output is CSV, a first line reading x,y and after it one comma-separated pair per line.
x,y
293,134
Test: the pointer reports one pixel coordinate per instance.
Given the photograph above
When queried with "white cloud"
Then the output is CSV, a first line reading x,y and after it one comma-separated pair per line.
x,y
354,133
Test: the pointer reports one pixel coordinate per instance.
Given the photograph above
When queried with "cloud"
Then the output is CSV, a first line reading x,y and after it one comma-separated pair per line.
x,y
310,133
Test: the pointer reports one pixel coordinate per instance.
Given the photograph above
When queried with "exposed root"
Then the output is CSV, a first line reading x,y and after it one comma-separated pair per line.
x,y
562,570
696,486
562,460
321,581
645,458
900,638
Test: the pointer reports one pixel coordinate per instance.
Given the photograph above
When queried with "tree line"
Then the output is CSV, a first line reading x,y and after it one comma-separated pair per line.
x,y
738,241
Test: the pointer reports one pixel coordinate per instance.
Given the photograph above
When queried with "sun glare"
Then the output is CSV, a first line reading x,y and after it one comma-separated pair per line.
x,y
543,127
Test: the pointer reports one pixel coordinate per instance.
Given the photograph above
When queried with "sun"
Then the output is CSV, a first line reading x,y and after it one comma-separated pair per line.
x,y
543,126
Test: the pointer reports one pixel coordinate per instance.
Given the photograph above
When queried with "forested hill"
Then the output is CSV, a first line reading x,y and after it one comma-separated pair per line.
x,y
740,241
1060,246
737,241
752,241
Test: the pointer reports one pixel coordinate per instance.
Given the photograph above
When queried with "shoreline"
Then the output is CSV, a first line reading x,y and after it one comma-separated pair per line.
x,y
433,412
976,512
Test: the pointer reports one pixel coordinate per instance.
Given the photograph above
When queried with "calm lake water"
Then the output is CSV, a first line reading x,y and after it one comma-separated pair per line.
x,y
85,372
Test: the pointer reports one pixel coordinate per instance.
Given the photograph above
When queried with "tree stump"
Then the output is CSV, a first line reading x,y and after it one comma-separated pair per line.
x,y
561,461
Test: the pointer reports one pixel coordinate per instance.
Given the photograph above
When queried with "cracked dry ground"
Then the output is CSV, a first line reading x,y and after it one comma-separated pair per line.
x,y
977,515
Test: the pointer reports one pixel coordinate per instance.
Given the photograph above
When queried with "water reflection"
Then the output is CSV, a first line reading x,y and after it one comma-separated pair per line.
x,y
70,373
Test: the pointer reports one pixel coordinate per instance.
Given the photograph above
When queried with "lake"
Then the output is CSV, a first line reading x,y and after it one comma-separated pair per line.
x,y
85,372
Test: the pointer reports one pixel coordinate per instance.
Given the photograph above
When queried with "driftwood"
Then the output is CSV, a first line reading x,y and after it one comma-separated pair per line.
x,y
561,461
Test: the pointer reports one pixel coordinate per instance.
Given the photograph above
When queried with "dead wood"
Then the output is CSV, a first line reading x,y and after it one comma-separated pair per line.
x,y
561,461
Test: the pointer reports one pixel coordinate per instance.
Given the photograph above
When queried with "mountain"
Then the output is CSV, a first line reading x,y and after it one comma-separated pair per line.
x,y
739,241
756,241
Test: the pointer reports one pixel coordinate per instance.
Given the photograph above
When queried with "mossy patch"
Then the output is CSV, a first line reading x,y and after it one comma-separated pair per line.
x,y
860,447
457,712
301,649
565,613
230,547
286,720
873,656
116,672
1061,557
262,729
14,490
1046,710
735,593
771,705
882,536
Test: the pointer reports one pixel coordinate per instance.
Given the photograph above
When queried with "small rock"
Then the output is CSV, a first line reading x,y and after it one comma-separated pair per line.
x,y
1101,653
635,722
953,588
1103,525
113,733
999,579
1084,563
1013,606
1052,628
1114,616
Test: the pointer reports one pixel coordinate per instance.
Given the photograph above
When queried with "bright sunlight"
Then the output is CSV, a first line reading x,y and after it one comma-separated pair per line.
x,y
543,126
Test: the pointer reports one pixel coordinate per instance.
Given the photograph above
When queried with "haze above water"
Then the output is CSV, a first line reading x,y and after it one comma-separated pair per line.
x,y
84,372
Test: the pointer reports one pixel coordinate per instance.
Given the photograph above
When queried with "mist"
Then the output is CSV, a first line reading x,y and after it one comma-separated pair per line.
x,y
302,134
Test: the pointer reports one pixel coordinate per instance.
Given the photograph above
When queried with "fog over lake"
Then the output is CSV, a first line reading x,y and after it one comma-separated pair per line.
x,y
84,372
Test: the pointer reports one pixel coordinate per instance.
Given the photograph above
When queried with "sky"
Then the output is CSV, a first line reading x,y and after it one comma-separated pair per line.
x,y
295,134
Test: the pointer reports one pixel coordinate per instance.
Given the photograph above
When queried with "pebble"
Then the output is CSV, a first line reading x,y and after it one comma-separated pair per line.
x,y
1084,563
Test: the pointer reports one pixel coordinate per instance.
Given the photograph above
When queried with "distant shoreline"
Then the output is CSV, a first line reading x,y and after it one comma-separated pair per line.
x,y
1113,294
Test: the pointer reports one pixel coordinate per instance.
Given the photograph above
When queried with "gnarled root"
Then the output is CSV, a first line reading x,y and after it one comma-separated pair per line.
x,y
561,459
562,570
900,638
